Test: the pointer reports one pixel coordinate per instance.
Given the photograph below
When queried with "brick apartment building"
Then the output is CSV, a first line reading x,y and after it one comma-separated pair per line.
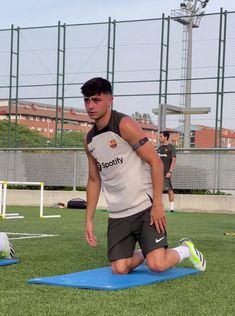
x,y
42,118
205,137
202,136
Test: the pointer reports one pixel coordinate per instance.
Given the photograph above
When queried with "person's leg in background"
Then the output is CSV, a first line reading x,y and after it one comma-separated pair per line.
x,y
171,200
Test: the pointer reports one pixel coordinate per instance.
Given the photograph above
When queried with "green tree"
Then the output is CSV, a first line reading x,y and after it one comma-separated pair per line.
x,y
137,116
20,136
147,117
73,139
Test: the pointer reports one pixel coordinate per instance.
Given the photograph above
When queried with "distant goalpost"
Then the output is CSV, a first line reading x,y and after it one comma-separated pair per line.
x,y
3,199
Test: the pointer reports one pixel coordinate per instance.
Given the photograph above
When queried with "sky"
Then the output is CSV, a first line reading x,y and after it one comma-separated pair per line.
x,y
26,13
29,13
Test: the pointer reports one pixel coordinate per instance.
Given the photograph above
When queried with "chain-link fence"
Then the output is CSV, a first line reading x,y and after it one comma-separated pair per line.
x,y
195,169
142,59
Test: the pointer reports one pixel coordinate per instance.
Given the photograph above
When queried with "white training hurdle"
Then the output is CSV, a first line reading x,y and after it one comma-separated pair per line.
x,y
3,199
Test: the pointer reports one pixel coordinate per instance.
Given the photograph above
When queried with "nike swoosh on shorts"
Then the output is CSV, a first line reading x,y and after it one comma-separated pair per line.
x,y
158,240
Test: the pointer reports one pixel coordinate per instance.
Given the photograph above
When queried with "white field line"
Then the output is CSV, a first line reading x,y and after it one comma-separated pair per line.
x,y
29,235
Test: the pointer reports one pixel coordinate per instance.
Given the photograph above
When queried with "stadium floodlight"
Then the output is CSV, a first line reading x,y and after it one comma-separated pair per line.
x,y
189,14
204,3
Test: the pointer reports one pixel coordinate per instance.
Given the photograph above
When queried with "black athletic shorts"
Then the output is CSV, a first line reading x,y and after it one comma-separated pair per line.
x,y
124,233
167,185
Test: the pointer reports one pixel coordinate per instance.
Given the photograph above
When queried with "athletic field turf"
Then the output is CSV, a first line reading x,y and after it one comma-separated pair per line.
x,y
208,293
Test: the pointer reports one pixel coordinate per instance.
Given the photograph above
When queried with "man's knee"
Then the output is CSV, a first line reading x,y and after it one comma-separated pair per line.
x,y
120,268
156,266
156,260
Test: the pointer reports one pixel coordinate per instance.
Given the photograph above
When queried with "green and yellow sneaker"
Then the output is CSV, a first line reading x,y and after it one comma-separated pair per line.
x,y
196,257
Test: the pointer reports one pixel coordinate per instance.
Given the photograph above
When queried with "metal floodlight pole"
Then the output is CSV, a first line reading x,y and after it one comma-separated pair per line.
x,y
188,86
189,15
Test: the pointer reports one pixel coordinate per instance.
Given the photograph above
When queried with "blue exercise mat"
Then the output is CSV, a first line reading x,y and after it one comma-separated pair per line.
x,y
6,262
104,279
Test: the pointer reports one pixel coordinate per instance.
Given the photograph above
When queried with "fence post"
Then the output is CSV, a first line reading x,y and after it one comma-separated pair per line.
x,y
75,171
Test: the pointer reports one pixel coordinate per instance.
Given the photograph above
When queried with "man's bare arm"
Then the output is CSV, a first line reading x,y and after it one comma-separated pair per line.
x,y
132,133
93,192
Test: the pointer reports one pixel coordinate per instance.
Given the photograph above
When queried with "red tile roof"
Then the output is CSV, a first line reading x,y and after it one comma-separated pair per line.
x,y
71,114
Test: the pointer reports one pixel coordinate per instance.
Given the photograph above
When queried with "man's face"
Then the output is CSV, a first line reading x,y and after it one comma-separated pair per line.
x,y
162,139
97,105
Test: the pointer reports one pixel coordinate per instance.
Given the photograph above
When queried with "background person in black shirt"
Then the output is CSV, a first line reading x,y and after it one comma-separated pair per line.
x,y
168,156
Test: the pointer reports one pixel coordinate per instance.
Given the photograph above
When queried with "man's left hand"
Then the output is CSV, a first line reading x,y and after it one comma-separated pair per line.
x,y
158,218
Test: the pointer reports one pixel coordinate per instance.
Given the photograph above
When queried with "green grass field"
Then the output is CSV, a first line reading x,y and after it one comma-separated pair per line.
x,y
208,293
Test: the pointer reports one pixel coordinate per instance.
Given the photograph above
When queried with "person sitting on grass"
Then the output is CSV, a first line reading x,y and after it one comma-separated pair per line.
x,y
124,163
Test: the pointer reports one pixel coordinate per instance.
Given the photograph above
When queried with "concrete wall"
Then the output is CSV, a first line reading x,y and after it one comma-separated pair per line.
x,y
203,203
185,203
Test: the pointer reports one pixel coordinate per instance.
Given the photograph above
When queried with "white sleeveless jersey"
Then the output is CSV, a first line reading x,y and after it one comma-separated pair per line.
x,y
126,178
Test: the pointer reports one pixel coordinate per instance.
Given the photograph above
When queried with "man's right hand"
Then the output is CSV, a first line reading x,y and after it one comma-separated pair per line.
x,y
90,237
